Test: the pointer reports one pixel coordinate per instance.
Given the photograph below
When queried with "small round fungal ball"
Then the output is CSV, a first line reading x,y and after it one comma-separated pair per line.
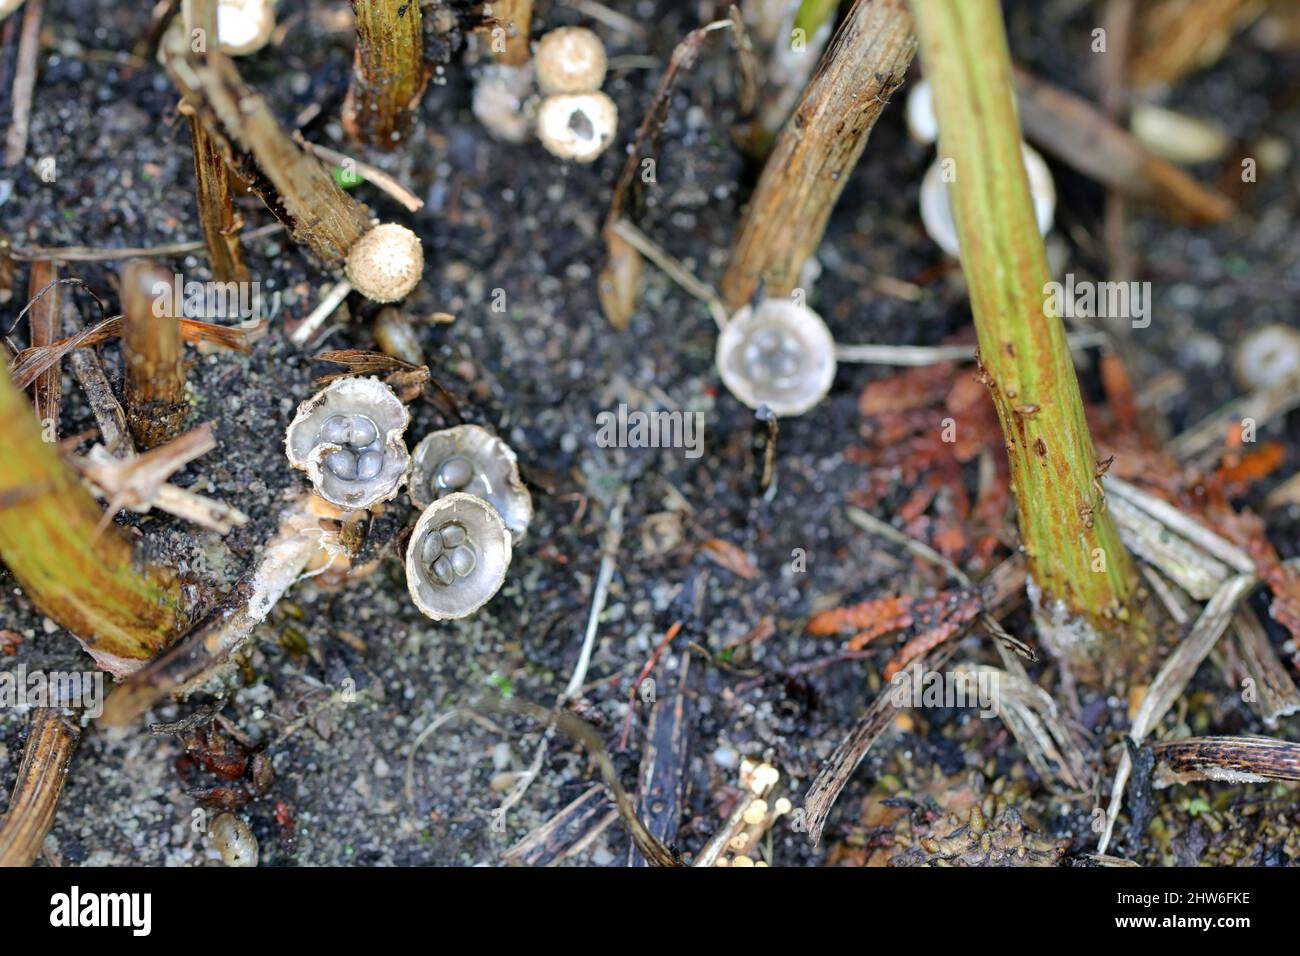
x,y
455,473
577,126
570,60
386,263
244,26
1267,358
453,536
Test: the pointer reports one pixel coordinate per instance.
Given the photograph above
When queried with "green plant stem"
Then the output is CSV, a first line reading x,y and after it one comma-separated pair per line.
x,y
1082,571
83,577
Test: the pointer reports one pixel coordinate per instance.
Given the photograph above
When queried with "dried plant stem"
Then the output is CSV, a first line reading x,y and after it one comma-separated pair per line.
x,y
388,75
818,148
224,630
122,613
29,51
103,403
50,745
1083,575
1081,136
212,182
1174,676
44,319
508,37
154,355
1228,759
295,186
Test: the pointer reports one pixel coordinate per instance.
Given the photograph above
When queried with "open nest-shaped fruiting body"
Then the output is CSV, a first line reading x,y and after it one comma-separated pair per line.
x,y
348,439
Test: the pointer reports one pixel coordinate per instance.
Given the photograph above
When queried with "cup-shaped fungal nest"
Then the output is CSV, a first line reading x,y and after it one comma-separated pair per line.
x,y
577,126
936,210
570,60
457,557
472,460
348,439
244,26
780,355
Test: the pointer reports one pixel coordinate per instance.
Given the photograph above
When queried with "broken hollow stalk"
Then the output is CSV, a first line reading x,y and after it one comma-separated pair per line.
x,y
817,149
154,355
388,75
1083,577
293,184
211,175
85,579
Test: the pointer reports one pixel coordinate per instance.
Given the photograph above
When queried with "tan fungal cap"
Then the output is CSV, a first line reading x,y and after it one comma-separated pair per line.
x,y
780,355
386,263
457,558
471,459
577,126
348,439
570,60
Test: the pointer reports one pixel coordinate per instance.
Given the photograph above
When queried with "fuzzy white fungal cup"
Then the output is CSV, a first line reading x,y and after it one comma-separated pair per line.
x,y
505,101
936,210
244,26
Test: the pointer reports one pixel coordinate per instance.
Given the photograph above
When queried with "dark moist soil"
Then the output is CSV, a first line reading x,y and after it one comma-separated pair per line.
x,y
506,217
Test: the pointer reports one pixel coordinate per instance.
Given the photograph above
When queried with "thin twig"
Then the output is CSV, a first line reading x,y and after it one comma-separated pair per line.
x,y
29,49
372,174
671,267
94,254
608,562
932,354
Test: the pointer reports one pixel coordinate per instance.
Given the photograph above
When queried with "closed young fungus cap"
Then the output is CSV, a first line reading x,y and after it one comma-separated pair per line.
x,y
386,263
570,60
